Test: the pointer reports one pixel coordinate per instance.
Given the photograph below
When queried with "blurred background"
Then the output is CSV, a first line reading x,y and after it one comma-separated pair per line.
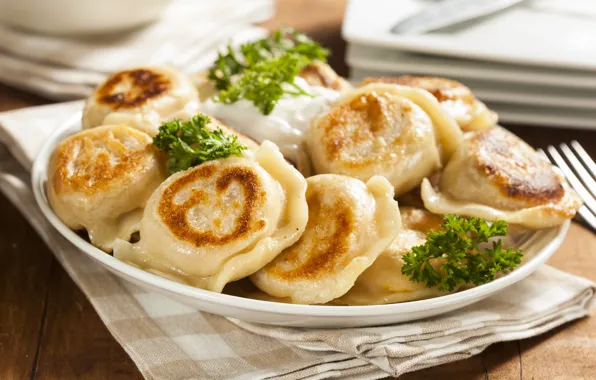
x,y
533,61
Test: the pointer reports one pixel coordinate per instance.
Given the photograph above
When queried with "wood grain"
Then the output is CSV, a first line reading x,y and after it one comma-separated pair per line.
x,y
24,273
568,352
48,329
75,343
12,99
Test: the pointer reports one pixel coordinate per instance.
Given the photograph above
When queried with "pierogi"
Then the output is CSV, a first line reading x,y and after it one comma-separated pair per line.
x,y
496,176
100,180
383,282
248,220
321,74
143,98
457,99
222,220
349,224
399,132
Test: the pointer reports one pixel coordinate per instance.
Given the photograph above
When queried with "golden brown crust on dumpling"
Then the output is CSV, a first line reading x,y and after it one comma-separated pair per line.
x,y
514,167
372,114
330,224
349,224
173,214
100,179
91,160
457,99
142,98
222,220
496,176
378,130
132,88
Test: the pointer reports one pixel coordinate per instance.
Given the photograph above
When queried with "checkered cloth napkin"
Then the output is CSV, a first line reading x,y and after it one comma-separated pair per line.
x,y
168,340
185,37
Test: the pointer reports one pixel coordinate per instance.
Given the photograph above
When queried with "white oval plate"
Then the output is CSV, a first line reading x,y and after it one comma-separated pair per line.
x,y
538,247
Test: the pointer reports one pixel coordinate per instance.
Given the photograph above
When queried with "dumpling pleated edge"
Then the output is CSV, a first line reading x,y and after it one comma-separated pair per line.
x,y
543,216
240,265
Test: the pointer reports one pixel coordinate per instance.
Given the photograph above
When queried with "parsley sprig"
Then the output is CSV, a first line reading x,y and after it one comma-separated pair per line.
x,y
455,249
263,84
265,69
191,143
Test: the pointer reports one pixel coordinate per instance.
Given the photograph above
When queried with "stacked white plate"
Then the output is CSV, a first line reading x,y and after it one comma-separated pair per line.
x,y
534,63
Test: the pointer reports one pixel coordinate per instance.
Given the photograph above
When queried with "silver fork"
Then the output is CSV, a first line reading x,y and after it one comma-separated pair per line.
x,y
580,172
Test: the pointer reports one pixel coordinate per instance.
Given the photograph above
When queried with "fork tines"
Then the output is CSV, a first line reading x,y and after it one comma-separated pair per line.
x,y
580,172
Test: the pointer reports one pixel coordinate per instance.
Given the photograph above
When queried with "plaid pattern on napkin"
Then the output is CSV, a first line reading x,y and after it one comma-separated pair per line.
x,y
168,340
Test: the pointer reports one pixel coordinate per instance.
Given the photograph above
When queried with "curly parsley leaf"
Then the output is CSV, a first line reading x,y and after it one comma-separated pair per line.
x,y
266,70
225,67
455,251
266,82
191,143
283,41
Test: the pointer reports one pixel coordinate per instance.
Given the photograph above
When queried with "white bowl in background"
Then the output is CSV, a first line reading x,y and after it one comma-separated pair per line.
x,y
538,246
80,17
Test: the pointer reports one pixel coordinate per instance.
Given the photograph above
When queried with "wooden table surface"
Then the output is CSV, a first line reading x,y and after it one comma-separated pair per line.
x,y
48,329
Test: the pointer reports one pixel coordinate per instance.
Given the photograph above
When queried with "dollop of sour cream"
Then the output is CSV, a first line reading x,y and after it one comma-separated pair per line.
x,y
285,126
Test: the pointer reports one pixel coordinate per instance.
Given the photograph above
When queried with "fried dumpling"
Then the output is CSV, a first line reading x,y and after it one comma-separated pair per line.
x,y
142,98
457,99
100,180
383,282
321,74
495,175
349,224
382,129
222,220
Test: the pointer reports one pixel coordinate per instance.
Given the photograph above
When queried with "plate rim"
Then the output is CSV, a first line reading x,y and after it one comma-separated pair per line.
x,y
39,177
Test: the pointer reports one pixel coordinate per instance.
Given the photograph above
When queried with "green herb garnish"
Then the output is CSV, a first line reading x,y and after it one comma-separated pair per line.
x,y
225,67
266,69
191,143
262,84
455,249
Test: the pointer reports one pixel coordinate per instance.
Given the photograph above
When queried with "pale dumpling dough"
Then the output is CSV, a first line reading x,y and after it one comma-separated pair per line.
x,y
349,224
383,282
222,220
495,175
142,97
321,74
249,143
457,99
382,129
100,180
